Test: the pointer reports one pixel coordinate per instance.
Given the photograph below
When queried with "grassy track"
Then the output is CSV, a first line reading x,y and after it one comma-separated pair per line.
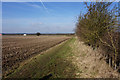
x,y
52,63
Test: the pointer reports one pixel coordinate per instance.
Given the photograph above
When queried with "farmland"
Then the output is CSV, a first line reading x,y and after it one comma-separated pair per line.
x,y
69,59
16,49
52,57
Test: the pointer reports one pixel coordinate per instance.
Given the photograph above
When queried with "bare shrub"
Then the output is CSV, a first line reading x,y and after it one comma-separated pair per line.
x,y
99,28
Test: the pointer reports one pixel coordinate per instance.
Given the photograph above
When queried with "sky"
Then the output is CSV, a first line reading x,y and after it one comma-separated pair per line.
x,y
43,17
61,0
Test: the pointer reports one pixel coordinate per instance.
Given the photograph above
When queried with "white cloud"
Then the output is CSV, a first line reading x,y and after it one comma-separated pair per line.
x,y
38,23
37,6
44,6
33,5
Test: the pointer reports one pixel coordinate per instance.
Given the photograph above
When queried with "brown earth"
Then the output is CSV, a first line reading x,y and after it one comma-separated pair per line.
x,y
16,49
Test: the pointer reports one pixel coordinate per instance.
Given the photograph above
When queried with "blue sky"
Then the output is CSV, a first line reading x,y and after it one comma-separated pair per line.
x,y
46,17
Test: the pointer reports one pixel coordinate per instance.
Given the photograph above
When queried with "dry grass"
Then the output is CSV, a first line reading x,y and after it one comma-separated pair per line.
x,y
89,62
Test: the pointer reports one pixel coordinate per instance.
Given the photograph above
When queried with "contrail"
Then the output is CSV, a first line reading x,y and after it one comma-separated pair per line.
x,y
44,6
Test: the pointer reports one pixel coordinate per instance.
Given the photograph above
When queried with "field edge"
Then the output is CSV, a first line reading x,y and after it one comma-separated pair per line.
x,y
63,49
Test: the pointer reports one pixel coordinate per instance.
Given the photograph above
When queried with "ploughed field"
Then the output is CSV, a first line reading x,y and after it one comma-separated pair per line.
x,y
16,49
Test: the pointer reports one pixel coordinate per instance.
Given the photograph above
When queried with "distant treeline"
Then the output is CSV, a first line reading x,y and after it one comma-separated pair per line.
x,y
40,33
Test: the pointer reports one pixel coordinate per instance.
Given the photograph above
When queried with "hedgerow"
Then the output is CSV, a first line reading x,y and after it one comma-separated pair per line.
x,y
99,27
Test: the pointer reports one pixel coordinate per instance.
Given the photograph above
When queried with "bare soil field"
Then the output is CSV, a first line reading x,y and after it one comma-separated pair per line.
x,y
70,59
16,49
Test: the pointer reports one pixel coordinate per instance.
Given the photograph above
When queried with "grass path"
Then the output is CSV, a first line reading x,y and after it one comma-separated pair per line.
x,y
70,59
52,62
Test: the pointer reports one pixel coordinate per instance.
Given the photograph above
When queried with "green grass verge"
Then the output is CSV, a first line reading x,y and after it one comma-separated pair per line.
x,y
53,62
